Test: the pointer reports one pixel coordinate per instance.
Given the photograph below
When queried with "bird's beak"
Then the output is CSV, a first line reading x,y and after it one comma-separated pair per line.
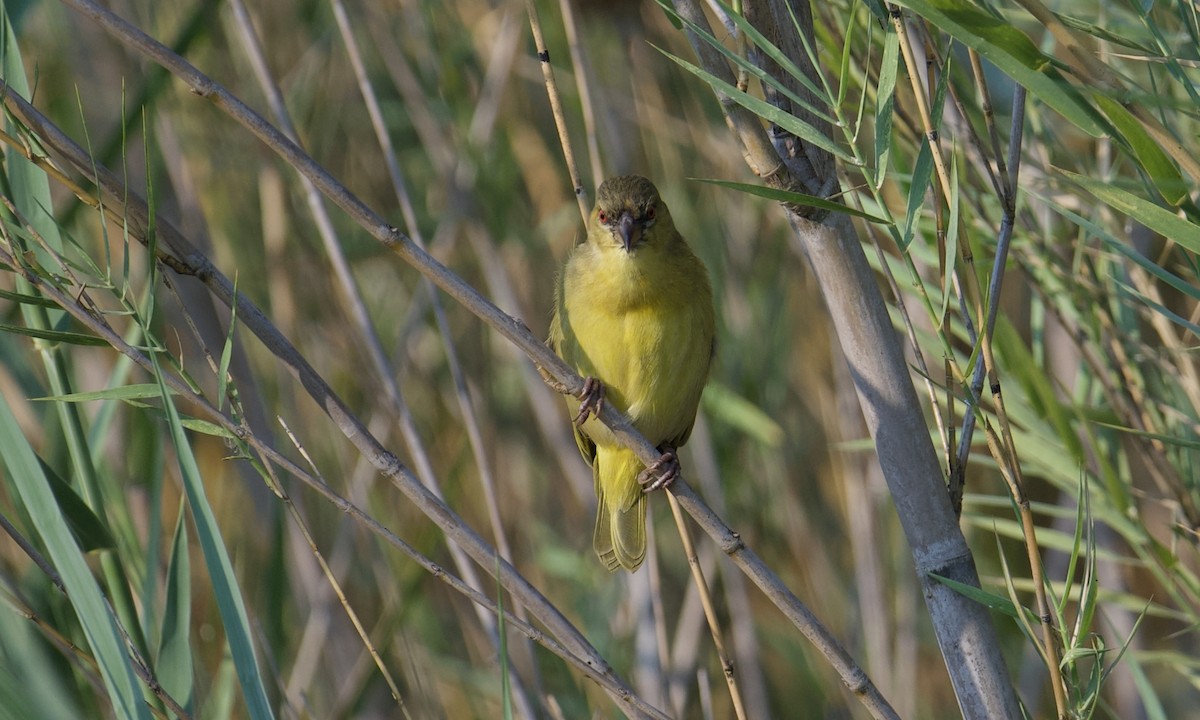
x,y
628,229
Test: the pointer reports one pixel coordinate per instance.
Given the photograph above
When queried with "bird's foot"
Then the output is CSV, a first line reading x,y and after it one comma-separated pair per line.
x,y
591,399
660,473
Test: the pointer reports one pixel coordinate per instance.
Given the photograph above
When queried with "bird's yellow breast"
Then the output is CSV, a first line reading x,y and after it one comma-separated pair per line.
x,y
641,323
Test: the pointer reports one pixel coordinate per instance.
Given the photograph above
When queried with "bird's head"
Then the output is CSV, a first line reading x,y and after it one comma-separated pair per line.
x,y
629,213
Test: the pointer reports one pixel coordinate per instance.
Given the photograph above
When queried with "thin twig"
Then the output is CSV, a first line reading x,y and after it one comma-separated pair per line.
x,y
330,577
560,118
583,86
710,614
999,178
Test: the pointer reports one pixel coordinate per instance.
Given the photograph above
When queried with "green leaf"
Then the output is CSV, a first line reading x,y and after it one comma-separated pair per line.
x,y
220,570
778,56
227,350
1103,33
1147,690
25,299
203,426
99,627
174,666
877,9
985,598
951,243
766,111
1127,291
1158,219
922,172
1153,159
221,696
506,700
885,104
89,530
784,196
1013,53
844,67
1187,443
771,51
124,392
1122,246
70,338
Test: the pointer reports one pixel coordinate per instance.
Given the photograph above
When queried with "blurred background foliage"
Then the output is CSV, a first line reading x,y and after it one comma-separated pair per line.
x,y
1098,326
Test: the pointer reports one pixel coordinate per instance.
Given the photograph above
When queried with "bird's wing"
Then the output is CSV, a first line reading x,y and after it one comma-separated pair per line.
x,y
682,437
587,448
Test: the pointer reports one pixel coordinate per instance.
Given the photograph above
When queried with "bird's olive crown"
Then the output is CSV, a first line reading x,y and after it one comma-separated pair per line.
x,y
628,192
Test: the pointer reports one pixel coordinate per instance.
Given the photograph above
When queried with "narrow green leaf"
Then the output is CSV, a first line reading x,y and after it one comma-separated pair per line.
x,y
951,243
1077,541
878,11
1125,290
1013,53
784,196
778,56
768,79
885,104
766,111
1089,595
99,627
32,683
124,392
89,530
1153,159
844,66
29,185
25,299
30,189
1158,271
1122,246
922,173
1103,33
220,570
174,664
203,426
69,338
1156,218
227,350
1187,443
983,597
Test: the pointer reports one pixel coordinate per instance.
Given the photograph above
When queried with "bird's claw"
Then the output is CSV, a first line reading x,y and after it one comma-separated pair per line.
x,y
591,399
660,473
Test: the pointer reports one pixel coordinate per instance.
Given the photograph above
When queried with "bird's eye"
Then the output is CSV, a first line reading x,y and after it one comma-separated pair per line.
x,y
603,216
650,214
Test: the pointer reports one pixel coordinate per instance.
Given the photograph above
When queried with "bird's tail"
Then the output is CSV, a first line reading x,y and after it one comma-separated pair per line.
x,y
620,537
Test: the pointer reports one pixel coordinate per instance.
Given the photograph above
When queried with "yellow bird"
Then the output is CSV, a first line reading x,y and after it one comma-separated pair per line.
x,y
634,315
